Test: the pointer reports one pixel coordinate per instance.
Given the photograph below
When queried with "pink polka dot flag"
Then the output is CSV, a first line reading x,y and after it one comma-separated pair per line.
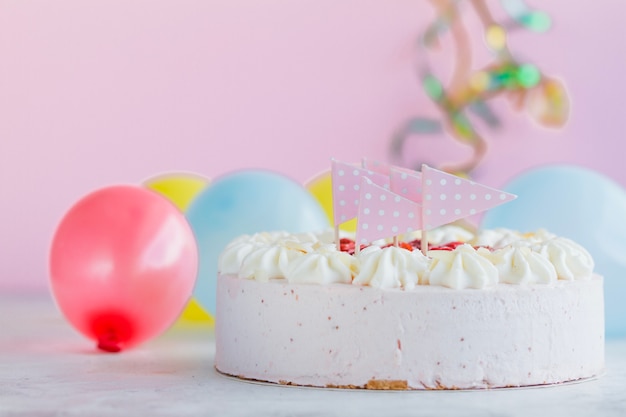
x,y
382,213
346,182
375,166
406,184
447,198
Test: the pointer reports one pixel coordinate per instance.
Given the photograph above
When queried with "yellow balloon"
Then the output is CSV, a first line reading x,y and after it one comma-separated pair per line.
x,y
181,189
194,314
321,186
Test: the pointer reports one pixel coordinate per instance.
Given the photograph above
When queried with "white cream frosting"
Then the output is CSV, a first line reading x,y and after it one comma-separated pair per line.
x,y
461,268
324,236
570,259
517,258
266,262
540,235
231,258
325,266
442,235
536,332
431,337
501,237
519,264
496,238
390,267
447,234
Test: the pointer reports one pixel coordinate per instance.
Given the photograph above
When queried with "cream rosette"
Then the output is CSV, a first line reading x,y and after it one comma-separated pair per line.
x,y
326,265
496,238
390,267
501,238
269,262
461,268
324,236
231,258
519,264
571,260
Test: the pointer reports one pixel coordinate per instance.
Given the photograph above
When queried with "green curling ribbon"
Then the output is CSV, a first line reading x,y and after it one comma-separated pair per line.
x,y
433,87
462,126
528,76
535,21
504,78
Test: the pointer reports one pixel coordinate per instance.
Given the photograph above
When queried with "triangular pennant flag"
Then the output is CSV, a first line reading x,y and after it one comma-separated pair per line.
x,y
448,198
384,214
407,184
375,166
383,168
346,180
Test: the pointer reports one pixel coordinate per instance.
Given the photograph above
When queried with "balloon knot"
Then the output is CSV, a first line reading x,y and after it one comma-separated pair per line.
x,y
109,343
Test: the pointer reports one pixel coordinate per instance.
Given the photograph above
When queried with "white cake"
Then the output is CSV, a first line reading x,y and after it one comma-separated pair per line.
x,y
292,309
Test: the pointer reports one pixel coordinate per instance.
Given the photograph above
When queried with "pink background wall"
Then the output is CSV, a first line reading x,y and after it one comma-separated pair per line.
x,y
100,92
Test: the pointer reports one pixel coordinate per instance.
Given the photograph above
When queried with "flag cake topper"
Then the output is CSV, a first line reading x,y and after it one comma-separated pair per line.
x,y
383,213
375,166
406,184
388,200
346,181
447,197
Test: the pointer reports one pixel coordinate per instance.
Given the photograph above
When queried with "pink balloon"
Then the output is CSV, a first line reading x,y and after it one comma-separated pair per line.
x,y
123,264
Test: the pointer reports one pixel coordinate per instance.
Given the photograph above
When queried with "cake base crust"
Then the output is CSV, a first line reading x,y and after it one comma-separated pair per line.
x,y
392,386
345,336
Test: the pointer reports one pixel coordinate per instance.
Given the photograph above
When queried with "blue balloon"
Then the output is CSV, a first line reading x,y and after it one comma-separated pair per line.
x,y
584,206
246,202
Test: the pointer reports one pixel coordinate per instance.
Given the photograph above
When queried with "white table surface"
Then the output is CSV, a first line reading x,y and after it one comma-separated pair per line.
x,y
47,369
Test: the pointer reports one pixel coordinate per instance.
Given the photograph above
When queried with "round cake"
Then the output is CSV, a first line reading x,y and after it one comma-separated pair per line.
x,y
495,309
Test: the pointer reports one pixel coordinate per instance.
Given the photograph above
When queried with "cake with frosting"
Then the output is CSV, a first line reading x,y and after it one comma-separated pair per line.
x,y
495,308
409,301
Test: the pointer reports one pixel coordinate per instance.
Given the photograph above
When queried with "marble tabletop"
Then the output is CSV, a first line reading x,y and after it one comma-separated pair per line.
x,y
47,369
